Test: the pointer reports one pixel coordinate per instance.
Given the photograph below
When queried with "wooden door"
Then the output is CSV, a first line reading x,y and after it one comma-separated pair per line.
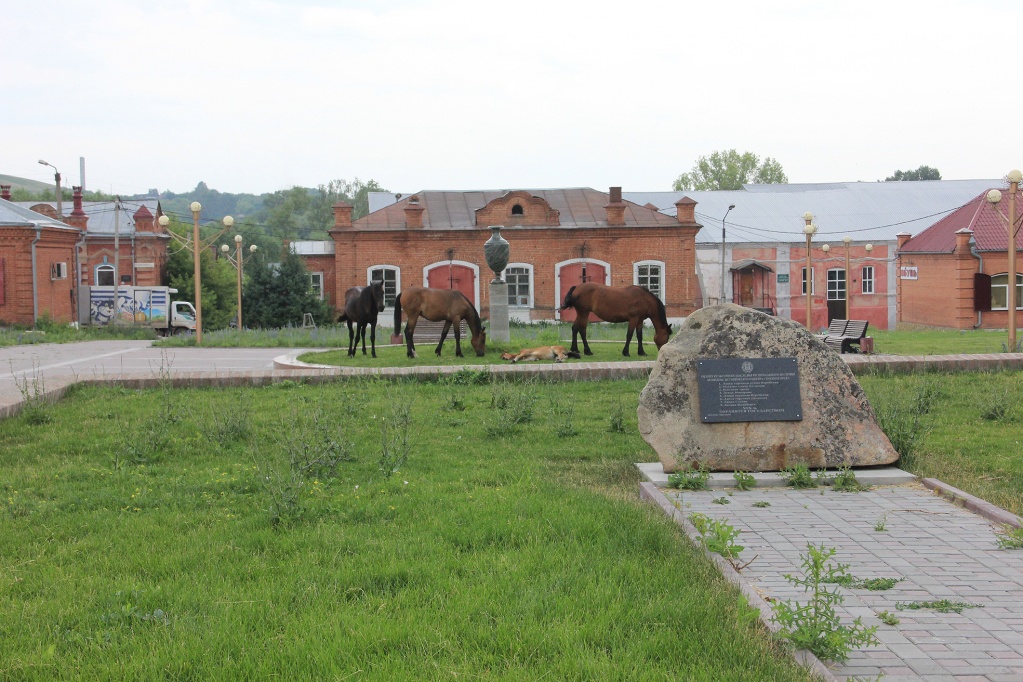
x,y
574,274
454,276
746,288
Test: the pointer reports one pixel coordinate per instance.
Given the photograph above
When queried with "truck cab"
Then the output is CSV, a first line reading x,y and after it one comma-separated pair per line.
x,y
182,317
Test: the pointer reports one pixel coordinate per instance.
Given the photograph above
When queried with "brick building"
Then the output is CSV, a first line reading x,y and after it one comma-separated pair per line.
x,y
558,238
37,258
955,272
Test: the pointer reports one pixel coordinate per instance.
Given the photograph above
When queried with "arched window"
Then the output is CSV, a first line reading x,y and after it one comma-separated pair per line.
x,y
517,209
105,275
390,275
1000,292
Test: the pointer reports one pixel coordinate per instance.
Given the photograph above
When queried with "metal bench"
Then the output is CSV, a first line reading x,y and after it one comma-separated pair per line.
x,y
842,335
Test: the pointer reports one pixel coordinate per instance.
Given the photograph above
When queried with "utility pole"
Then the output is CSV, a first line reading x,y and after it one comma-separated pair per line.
x,y
117,258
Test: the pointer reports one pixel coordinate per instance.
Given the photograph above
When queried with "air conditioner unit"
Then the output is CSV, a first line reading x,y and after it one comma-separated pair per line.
x,y
58,271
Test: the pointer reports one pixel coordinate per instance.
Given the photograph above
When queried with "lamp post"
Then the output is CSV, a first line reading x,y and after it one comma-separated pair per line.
x,y
994,196
809,231
56,177
723,251
195,208
847,240
237,260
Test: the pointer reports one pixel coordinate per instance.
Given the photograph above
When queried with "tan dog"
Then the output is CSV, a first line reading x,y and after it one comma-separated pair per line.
x,y
555,353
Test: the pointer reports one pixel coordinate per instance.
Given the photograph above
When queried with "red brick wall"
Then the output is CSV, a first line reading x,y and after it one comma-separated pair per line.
x,y
147,249
543,248
327,266
53,296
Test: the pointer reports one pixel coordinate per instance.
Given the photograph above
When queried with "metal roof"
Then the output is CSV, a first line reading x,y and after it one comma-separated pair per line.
x,y
866,211
979,216
743,264
577,207
13,215
101,213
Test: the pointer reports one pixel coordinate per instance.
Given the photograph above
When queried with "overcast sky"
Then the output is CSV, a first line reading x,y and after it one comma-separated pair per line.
x,y
256,96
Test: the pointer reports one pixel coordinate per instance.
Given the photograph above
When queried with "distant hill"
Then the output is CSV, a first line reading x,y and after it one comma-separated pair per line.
x,y
24,183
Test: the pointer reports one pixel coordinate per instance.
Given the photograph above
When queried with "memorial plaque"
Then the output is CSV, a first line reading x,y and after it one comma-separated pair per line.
x,y
749,390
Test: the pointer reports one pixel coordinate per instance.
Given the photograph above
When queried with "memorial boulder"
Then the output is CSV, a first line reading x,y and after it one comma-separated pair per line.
x,y
736,389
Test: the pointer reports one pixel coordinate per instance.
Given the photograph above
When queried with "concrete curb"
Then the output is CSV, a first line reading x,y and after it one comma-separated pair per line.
x,y
648,492
974,504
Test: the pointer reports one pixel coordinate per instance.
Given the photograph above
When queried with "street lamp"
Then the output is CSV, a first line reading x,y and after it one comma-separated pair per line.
x,y
994,196
847,240
723,251
237,260
56,177
195,208
809,230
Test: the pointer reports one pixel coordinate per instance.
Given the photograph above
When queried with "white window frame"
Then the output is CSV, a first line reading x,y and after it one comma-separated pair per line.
x,y
313,285
1004,287
103,267
661,275
867,279
834,290
397,279
529,272
58,271
813,286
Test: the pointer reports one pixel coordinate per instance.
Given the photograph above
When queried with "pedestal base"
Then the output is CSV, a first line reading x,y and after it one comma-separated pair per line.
x,y
499,329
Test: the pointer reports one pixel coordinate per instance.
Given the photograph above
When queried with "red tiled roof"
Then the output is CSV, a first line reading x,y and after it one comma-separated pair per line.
x,y
445,210
977,215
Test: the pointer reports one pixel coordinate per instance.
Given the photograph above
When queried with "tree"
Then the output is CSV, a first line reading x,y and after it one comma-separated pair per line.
x,y
278,295
921,173
730,170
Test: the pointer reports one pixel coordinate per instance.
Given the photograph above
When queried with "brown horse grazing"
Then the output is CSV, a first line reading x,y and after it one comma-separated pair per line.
x,y
362,306
449,305
631,304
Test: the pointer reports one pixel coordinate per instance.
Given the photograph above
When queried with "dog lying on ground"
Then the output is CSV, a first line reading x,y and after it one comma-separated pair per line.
x,y
555,353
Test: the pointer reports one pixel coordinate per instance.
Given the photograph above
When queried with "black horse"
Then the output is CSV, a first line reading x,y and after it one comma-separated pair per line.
x,y
362,305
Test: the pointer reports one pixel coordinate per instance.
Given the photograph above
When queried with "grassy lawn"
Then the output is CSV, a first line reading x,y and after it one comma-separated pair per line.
x,y
938,342
60,333
264,533
965,429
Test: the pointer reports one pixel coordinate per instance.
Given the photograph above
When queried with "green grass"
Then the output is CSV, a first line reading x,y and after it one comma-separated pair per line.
x,y
47,332
937,341
166,534
969,424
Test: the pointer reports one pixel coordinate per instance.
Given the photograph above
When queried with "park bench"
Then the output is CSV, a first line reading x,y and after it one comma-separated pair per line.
x,y
428,331
842,335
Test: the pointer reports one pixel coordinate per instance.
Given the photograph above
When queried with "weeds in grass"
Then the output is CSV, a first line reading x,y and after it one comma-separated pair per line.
x,y
798,476
998,409
939,605
566,423
744,480
815,625
845,579
690,479
233,425
32,387
906,428
881,525
454,402
721,500
762,503
143,445
1011,537
396,435
467,376
616,418
888,618
845,481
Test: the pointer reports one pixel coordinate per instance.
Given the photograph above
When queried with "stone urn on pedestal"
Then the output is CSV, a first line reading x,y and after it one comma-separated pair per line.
x,y
497,250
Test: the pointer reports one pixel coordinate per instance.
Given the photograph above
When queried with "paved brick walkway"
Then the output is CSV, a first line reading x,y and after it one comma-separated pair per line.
x,y
941,550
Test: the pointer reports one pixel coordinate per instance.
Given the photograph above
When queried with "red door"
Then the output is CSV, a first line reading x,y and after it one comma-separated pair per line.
x,y
453,277
577,273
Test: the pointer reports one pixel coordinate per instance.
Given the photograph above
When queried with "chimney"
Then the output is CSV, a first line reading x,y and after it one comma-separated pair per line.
x,y
615,209
903,237
342,214
5,192
963,241
685,210
78,218
144,220
414,214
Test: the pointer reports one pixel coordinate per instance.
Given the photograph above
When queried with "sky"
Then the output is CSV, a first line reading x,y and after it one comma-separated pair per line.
x,y
257,96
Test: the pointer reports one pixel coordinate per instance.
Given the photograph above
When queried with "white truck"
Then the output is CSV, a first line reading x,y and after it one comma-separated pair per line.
x,y
136,306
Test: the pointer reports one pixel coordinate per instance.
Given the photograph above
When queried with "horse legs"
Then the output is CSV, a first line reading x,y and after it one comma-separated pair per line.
x,y
362,333
352,343
410,328
372,338
458,338
628,340
580,329
443,336
639,339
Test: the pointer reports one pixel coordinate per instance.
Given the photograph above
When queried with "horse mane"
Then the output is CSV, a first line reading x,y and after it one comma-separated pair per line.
x,y
476,323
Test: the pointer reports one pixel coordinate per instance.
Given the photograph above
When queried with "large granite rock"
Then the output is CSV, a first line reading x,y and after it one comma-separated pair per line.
x,y
838,426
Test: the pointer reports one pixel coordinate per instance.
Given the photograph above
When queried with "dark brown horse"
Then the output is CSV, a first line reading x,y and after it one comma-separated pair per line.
x,y
362,306
617,304
448,305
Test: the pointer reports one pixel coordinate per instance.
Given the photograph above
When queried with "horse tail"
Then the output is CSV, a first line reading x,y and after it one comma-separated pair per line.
x,y
569,299
397,314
